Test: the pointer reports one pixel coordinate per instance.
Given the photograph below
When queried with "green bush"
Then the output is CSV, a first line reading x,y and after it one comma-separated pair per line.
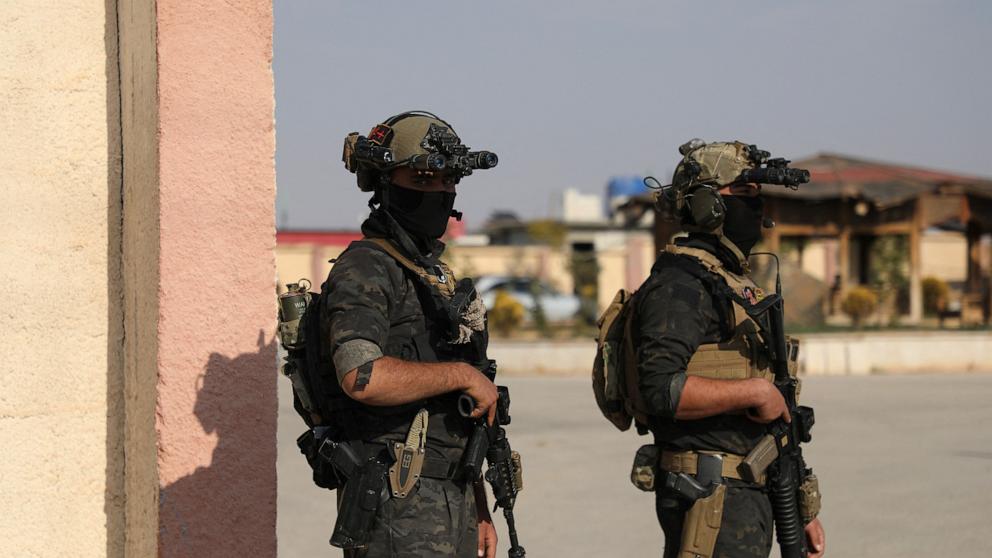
x,y
935,292
506,314
858,304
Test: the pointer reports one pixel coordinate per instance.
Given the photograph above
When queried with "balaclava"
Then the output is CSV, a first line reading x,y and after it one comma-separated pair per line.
x,y
422,214
742,223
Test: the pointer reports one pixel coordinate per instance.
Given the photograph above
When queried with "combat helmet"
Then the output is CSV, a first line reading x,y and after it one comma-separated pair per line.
x,y
416,139
707,167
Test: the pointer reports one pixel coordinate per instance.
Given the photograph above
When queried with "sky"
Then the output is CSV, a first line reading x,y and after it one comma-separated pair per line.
x,y
570,93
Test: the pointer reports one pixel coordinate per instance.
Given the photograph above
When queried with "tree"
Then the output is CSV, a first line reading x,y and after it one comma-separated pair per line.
x,y
547,232
858,304
506,314
935,293
889,257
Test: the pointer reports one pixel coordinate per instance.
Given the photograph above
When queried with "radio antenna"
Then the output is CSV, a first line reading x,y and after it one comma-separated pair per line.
x,y
778,270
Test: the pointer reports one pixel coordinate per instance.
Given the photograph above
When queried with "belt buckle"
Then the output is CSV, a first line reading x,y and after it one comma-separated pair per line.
x,y
709,468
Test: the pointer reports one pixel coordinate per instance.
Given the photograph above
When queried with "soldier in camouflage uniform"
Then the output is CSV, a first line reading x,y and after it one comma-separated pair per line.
x,y
693,404
397,358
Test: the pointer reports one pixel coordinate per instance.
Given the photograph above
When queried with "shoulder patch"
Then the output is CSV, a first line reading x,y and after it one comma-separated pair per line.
x,y
749,295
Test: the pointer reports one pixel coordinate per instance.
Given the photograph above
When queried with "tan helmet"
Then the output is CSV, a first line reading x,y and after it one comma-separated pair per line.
x,y
416,139
713,165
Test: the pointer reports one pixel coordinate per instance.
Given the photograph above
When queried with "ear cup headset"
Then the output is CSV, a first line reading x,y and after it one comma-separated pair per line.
x,y
707,167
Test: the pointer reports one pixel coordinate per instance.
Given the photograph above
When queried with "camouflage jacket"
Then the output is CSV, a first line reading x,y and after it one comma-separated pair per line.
x,y
372,309
670,322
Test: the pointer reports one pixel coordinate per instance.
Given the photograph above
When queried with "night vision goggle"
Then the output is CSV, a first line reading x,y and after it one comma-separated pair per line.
x,y
724,163
445,152
768,170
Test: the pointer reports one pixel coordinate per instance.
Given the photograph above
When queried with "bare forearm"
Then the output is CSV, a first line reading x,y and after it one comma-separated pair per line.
x,y
394,381
706,397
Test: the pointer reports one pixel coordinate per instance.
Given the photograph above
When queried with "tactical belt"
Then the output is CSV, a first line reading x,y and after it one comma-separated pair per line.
x,y
686,461
442,469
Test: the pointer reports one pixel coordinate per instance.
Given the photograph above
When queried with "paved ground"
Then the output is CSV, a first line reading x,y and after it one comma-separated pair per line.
x,y
905,463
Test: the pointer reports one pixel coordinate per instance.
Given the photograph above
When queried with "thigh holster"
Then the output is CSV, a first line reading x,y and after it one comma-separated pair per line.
x,y
702,525
698,477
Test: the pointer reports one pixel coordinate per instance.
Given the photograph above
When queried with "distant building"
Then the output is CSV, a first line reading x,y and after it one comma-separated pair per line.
x,y
578,207
833,222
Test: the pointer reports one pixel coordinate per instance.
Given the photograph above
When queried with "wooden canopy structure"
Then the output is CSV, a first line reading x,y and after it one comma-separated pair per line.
x,y
849,197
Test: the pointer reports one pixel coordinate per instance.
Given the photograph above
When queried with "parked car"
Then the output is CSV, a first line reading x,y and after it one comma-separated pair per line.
x,y
557,306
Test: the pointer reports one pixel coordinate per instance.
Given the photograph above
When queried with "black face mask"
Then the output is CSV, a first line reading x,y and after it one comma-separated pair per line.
x,y
742,224
422,214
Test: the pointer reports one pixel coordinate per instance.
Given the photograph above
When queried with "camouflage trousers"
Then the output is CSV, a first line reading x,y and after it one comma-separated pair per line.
x,y
438,518
746,530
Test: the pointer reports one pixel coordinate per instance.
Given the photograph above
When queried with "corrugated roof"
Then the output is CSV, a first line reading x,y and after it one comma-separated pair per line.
x,y
838,176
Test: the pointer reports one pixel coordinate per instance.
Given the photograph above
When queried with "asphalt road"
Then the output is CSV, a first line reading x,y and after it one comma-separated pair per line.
x,y
905,465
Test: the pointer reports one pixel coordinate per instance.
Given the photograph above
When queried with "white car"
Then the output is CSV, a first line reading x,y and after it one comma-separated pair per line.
x,y
557,306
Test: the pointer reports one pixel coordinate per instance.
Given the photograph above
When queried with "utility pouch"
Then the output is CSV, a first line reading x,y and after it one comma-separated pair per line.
x,y
291,369
644,474
702,525
809,498
358,504
342,456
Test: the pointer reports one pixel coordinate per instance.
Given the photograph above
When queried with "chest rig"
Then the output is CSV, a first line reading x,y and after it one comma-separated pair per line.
x,y
453,330
742,353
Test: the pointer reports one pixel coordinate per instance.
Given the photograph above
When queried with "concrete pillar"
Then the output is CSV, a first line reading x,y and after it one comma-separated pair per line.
x,y
199,269
665,226
916,264
637,268
137,390
61,479
973,233
988,288
844,258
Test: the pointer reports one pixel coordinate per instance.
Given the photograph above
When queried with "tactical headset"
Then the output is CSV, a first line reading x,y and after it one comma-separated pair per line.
x,y
705,168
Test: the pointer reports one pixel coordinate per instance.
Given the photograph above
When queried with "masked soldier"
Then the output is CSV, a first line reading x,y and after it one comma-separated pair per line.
x,y
701,371
405,340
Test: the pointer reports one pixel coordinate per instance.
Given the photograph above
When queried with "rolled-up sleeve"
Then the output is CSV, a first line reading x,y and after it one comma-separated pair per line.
x,y
671,322
360,290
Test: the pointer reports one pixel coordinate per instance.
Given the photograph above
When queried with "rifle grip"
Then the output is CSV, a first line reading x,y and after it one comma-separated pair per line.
x,y
465,405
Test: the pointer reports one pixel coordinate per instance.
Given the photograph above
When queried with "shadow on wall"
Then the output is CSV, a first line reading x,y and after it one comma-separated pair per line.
x,y
229,507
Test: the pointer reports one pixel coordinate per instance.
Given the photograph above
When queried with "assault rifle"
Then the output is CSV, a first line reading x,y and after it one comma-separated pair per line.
x,y
787,468
489,443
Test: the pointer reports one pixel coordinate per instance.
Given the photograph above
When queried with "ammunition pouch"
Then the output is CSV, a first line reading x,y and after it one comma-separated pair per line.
x,y
644,474
324,474
809,498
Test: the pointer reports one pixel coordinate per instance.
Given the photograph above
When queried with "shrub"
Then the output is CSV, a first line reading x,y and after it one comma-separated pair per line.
x,y
506,314
934,294
859,303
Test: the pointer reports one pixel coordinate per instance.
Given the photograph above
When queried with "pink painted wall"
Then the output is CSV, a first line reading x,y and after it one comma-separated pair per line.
x,y
216,407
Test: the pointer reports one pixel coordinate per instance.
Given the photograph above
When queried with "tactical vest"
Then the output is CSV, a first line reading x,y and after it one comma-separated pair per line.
x,y
330,413
742,355
436,291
